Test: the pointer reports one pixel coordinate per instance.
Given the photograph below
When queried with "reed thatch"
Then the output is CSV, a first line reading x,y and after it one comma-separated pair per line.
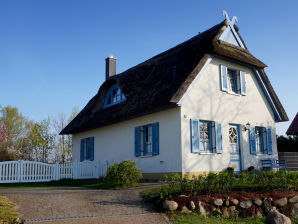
x,y
153,86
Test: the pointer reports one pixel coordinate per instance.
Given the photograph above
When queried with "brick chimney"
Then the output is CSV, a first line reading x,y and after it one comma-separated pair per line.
x,y
110,66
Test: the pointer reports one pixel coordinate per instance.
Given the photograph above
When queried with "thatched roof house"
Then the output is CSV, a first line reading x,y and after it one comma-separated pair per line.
x,y
200,106
293,129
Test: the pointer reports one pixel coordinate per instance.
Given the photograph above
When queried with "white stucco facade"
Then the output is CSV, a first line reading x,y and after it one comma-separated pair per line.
x,y
115,143
204,101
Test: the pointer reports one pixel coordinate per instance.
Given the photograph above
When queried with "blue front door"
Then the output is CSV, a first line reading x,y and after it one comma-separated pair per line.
x,y
234,146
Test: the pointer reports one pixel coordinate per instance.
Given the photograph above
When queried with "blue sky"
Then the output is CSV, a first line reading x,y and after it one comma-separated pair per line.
x,y
52,51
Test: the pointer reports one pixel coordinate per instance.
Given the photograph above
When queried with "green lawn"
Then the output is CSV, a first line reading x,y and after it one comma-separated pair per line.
x,y
196,218
7,210
90,183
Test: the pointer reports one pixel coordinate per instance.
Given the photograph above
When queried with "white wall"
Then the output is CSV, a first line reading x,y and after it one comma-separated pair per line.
x,y
115,143
205,101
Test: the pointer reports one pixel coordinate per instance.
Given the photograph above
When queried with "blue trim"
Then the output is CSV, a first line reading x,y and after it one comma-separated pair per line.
x,y
277,115
110,95
239,148
211,137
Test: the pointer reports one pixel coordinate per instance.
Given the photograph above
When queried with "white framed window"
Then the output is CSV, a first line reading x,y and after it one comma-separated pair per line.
x,y
147,140
206,136
206,128
260,135
232,80
87,149
260,139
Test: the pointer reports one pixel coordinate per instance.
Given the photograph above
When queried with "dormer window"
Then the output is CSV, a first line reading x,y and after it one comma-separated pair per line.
x,y
114,96
232,80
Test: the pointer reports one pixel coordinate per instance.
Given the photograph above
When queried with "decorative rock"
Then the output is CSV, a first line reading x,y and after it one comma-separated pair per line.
x,y
258,202
202,209
218,202
17,221
294,199
267,204
281,202
245,204
225,212
232,211
259,212
234,202
295,210
182,196
191,205
170,205
275,217
185,210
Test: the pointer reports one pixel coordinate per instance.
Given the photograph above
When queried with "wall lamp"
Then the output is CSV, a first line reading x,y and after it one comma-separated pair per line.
x,y
246,127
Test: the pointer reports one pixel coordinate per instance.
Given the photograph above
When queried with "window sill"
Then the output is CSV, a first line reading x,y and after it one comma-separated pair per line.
x,y
205,153
235,94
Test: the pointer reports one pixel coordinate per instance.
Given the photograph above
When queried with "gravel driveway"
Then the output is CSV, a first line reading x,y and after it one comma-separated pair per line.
x,y
81,205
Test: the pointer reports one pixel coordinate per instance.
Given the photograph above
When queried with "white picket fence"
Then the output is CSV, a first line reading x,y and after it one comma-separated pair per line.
x,y
28,171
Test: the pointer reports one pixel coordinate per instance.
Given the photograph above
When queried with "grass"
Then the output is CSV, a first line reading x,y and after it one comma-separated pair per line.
x,y
7,210
146,194
196,218
87,183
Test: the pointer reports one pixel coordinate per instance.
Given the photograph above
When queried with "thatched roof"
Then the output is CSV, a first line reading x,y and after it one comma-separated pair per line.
x,y
293,129
151,85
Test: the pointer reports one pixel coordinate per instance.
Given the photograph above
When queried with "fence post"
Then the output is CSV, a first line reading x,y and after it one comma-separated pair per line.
x,y
57,176
20,170
97,169
75,169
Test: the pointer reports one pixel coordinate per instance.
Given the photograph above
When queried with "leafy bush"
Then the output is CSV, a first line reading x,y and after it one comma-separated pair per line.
x,y
230,169
226,182
124,174
251,168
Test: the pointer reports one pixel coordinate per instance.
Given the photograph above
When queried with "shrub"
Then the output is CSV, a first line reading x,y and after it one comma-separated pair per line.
x,y
124,174
251,168
230,169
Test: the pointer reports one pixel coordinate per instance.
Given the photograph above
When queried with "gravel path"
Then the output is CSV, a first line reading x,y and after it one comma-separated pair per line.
x,y
79,205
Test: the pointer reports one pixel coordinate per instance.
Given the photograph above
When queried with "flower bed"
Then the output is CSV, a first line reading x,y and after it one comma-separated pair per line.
x,y
248,194
234,204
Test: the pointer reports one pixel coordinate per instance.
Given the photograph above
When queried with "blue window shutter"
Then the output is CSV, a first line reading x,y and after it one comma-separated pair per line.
x,y
243,83
223,77
82,150
252,140
218,138
91,148
269,141
137,141
155,139
194,133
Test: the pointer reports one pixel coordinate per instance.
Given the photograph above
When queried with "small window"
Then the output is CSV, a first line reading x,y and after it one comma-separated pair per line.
x,y
147,140
205,136
114,96
233,81
87,149
260,135
260,139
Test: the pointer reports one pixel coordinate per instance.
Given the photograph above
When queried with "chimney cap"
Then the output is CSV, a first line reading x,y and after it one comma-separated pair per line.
x,y
111,57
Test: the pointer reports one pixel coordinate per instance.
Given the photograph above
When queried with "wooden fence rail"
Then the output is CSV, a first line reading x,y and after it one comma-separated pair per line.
x,y
28,171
